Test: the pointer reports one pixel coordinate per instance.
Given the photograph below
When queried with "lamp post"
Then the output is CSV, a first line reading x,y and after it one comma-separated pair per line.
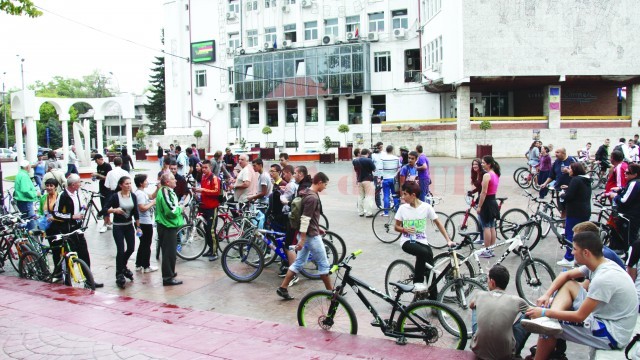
x,y
371,110
295,129
236,120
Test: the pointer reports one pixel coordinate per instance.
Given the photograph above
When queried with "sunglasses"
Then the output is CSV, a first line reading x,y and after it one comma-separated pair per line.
x,y
629,173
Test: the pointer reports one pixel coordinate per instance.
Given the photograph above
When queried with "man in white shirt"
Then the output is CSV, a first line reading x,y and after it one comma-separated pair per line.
x,y
72,162
243,180
115,174
631,151
183,162
390,164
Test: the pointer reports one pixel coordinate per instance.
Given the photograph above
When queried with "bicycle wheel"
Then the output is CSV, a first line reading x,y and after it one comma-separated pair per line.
x,y
33,266
458,294
399,271
594,178
524,179
538,276
510,220
545,225
517,171
78,274
242,261
238,228
310,269
269,254
434,237
322,309
443,260
534,182
463,221
384,226
422,321
324,221
191,242
530,235
338,243
379,198
14,251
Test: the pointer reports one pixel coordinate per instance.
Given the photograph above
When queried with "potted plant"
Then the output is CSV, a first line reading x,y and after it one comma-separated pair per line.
x,y
327,157
486,149
267,152
198,134
141,153
243,144
344,152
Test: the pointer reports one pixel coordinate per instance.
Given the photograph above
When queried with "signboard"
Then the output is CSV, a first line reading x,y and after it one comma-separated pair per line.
x,y
203,51
554,98
573,134
536,134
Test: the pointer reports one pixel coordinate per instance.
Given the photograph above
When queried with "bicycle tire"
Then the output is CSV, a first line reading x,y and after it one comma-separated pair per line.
x,y
524,179
239,229
191,242
32,266
534,182
509,221
403,272
515,173
242,261
594,178
463,222
338,242
310,268
324,221
270,255
14,251
536,284
457,294
430,312
79,274
314,309
384,226
545,226
530,235
434,237
442,260
378,198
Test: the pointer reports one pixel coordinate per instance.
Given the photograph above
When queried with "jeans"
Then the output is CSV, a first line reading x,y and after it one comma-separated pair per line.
x,y
38,179
144,248
542,177
211,217
71,169
387,189
569,223
26,208
312,245
161,161
122,234
424,188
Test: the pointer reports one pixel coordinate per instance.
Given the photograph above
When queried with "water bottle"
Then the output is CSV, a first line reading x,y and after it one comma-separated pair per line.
x,y
138,232
412,238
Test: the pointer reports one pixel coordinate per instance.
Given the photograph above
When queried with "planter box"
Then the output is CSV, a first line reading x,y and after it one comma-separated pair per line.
x,y
345,153
328,158
201,154
268,154
482,150
141,154
111,156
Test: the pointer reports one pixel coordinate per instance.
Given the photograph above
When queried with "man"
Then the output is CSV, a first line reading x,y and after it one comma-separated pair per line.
x,y
602,317
210,190
628,203
366,188
114,175
25,193
424,178
194,149
54,172
182,188
102,169
192,161
182,161
602,156
166,162
560,173
496,312
622,142
375,157
631,151
72,162
284,159
636,139
616,180
274,171
172,152
309,237
229,160
286,197
409,172
585,154
265,187
243,180
390,166
168,220
160,155
67,217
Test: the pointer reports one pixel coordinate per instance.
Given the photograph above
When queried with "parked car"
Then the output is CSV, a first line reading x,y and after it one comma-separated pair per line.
x,y
41,150
8,154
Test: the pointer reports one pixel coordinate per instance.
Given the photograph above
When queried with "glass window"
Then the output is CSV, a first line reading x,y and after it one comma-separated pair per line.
x,y
399,19
311,30
253,113
301,69
355,110
270,3
496,103
353,23
290,2
231,73
252,38
270,35
234,6
234,40
311,107
248,72
382,61
434,49
290,32
379,105
234,116
272,113
433,7
252,5
333,109
376,22
412,66
291,107
201,78
331,27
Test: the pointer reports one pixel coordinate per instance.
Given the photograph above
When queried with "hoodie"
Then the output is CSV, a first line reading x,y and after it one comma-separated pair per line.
x,y
577,197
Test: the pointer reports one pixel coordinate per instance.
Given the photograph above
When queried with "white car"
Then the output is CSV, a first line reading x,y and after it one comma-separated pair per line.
x,y
8,154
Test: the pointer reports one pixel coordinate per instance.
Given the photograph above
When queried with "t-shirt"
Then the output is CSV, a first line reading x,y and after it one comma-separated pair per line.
x,y
377,161
240,195
409,173
618,301
496,313
265,179
103,170
390,165
183,163
416,217
146,217
193,161
422,159
367,167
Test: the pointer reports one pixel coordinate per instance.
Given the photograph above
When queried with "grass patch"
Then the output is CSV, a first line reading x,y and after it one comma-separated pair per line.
x,y
11,178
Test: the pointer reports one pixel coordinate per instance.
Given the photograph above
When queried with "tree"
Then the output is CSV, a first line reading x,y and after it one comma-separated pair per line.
x,y
156,107
20,7
344,129
484,126
140,135
267,130
197,134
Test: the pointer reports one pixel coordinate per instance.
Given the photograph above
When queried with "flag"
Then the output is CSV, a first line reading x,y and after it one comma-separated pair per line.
x,y
356,35
275,44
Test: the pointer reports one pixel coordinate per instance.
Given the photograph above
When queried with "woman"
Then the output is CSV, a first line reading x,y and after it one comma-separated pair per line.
x,y
577,199
476,181
52,159
533,156
47,205
127,162
124,206
545,170
219,166
146,203
197,174
488,210
411,221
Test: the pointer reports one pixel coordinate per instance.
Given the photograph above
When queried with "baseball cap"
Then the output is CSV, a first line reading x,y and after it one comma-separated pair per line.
x,y
24,163
97,156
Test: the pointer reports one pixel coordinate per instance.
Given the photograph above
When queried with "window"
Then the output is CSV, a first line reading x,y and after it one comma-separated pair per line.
x,y
496,103
270,35
412,65
376,22
269,3
234,40
272,113
234,116
382,61
353,23
252,38
231,73
311,109
311,30
201,78
333,109
433,7
234,6
248,72
301,70
290,2
434,51
253,113
290,32
331,27
379,105
252,5
291,107
355,110
399,19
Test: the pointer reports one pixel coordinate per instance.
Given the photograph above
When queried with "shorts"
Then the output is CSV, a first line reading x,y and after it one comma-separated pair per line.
x,y
313,246
489,224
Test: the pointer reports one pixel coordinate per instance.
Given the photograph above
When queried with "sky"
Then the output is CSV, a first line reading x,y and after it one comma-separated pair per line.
x,y
54,46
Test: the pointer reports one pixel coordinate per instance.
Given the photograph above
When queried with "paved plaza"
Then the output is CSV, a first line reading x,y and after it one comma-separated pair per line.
x,y
207,288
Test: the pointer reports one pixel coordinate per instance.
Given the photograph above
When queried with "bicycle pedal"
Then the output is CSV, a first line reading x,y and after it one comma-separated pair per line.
x,y
401,341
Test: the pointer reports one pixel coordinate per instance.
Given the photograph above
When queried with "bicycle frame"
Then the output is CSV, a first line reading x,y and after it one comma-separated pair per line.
x,y
514,243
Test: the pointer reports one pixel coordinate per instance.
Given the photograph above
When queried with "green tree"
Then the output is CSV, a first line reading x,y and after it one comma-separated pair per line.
x,y
197,134
19,7
156,107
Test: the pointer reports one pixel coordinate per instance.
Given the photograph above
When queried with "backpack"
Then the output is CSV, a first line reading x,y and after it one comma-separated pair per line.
x,y
295,212
618,148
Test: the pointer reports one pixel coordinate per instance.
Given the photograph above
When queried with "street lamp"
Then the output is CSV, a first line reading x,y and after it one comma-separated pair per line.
x,y
371,110
236,121
295,129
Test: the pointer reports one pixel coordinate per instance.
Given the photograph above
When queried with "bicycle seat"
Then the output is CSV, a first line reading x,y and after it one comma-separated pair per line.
x,y
502,198
469,234
402,287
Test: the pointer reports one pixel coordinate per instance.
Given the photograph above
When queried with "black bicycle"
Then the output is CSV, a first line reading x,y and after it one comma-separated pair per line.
x,y
426,322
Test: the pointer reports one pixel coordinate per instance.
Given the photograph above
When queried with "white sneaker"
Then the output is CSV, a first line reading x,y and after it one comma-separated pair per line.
x,y
103,229
294,280
110,226
542,325
419,287
150,269
139,268
565,263
478,241
486,254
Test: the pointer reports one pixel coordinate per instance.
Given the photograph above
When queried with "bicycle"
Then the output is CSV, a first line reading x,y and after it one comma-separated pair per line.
x,y
526,178
420,322
549,208
384,226
92,208
74,271
14,240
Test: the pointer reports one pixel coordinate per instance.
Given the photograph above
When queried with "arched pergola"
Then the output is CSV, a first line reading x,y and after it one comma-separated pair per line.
x,y
25,107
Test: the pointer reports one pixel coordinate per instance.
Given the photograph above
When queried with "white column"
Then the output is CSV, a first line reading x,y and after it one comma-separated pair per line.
x,y
18,131
282,124
129,134
366,120
32,139
86,158
463,100
262,116
65,139
633,104
244,121
100,140
302,121
322,117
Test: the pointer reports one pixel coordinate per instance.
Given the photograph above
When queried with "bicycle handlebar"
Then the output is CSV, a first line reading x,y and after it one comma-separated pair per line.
x,y
66,236
344,262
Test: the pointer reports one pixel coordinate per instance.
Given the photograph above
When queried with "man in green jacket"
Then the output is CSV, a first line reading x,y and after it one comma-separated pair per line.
x,y
168,219
25,192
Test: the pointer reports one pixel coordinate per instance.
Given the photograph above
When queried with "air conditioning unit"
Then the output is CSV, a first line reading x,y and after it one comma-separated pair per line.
x,y
268,46
198,91
328,40
351,36
231,15
229,51
373,36
240,51
306,3
286,44
436,67
285,8
399,33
